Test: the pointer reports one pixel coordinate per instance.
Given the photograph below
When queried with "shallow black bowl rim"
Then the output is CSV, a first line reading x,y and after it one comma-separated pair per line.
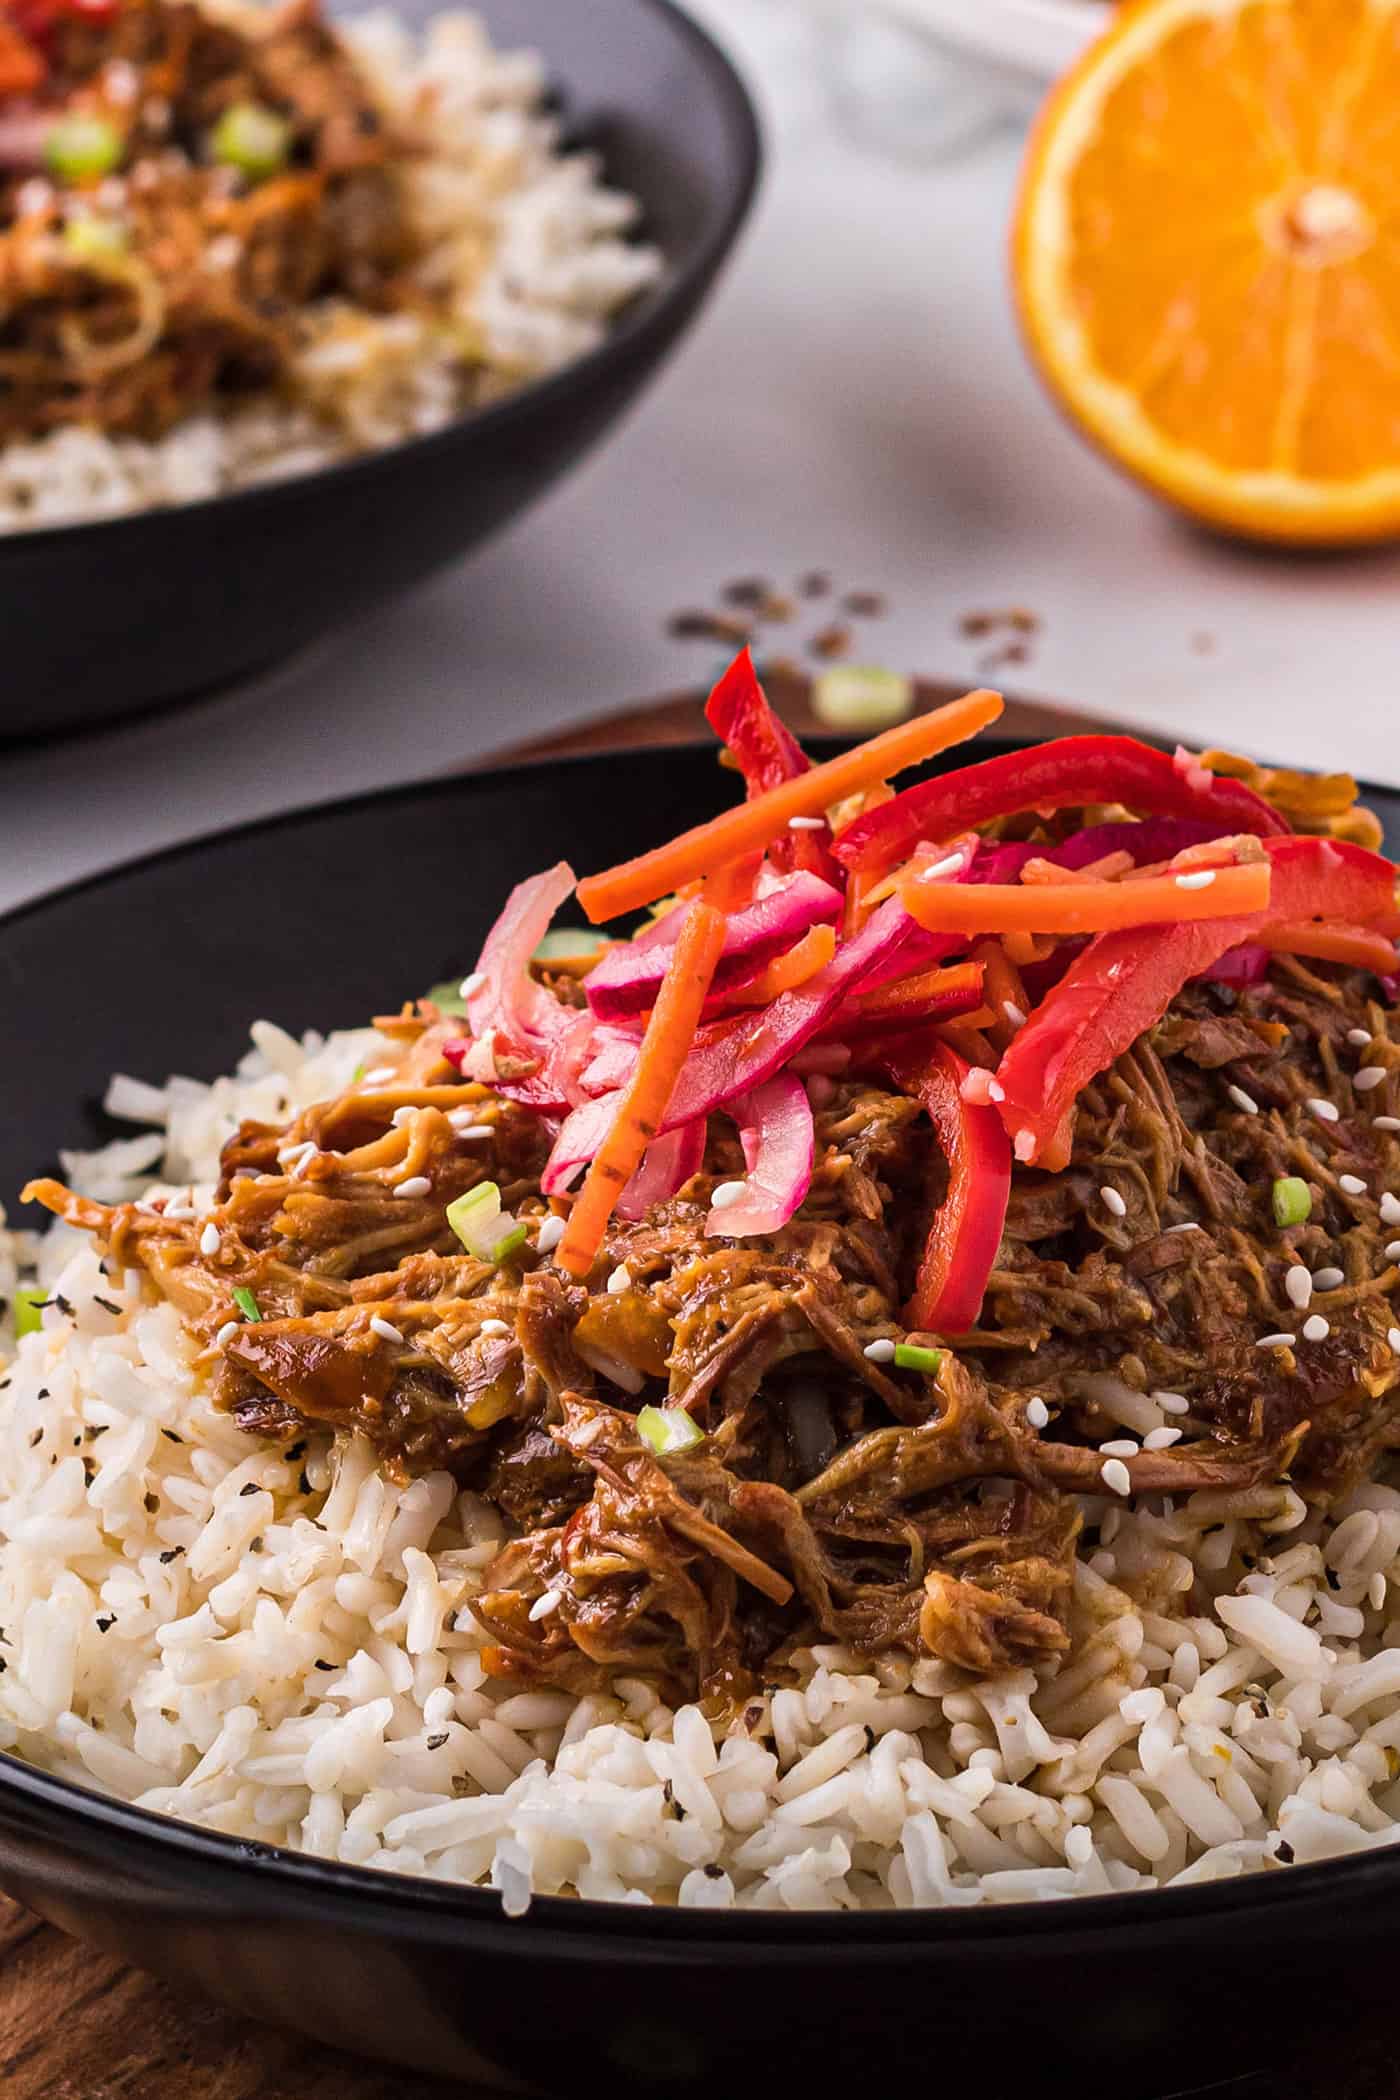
x,y
647,317
1283,1897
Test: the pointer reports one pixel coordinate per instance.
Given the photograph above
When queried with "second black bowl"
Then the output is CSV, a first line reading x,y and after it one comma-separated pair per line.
x,y
108,618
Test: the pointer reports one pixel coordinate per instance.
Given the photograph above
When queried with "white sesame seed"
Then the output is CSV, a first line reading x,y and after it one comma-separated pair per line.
x,y
1376,1589
543,1606
402,1115
1079,1845
1013,1013
1202,881
1114,1202
1024,1146
995,1090
805,823
1161,1439
940,868
1359,1036
378,1076
1325,1111
226,1334
1390,1209
1385,1122
1276,1341
493,1327
1393,1341
729,1193
1192,1227
1299,1286
1243,1100
1368,1077
471,984
1316,1329
1116,1477
1329,1279
289,1154
1119,1447
385,1329
416,1185
550,1233
620,1280
1037,1413
1171,1403
1352,1183
209,1241
881,1351
1392,1252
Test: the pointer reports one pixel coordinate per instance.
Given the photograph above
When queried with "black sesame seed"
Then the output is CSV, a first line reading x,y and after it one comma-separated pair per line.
x,y
43,1392
713,1873
89,1470
324,1665
303,1483
107,1306
1284,1851
170,1553
172,1436
249,1487
255,1545
295,1452
37,1437
105,1625
152,1504
435,1742
62,1303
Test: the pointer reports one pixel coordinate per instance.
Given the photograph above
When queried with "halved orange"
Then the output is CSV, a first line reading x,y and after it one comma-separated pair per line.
x,y
1206,259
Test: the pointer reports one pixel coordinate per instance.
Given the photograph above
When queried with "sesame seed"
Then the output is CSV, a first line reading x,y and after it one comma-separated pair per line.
x,y
1116,1477
940,868
1202,881
1392,1252
1299,1286
287,1153
1013,1013
378,1076
543,1606
226,1334
1024,1147
1325,1111
1316,1329
1385,1122
1352,1183
1161,1439
1329,1279
805,823
1192,1227
402,1115
416,1185
1359,1036
1368,1077
1376,1590
1119,1447
1393,1341
1390,1209
1114,1202
1276,1341
880,1352
550,1233
475,1130
620,1280
209,1241
1243,1100
729,1193
471,984
1171,1403
385,1329
1037,1413
493,1327
995,1090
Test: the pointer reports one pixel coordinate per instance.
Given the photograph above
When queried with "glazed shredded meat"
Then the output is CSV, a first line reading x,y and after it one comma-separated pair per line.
x,y
834,1495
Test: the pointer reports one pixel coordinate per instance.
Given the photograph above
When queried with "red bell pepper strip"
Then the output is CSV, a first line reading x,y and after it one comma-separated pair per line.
x,y
1066,774
1123,982
961,1248
767,754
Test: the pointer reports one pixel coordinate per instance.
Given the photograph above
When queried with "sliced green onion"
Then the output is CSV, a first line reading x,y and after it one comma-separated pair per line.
x,y
511,1244
253,139
910,1357
359,1072
80,149
485,1230
568,944
1292,1200
94,240
857,698
447,998
30,1299
669,1429
245,1301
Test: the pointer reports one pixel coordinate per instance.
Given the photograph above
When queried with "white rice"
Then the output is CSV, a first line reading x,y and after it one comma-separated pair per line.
x,y
274,1643
525,243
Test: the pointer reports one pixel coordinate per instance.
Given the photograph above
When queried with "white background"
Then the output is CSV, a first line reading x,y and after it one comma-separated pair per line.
x,y
854,398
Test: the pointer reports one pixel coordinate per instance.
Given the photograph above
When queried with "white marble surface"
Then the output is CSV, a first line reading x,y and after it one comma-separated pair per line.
x,y
854,397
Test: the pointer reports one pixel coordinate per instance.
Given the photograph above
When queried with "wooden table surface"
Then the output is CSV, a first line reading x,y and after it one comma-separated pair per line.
x,y
78,2025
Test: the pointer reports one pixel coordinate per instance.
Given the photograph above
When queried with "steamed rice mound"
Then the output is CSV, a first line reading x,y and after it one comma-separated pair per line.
x,y
275,1642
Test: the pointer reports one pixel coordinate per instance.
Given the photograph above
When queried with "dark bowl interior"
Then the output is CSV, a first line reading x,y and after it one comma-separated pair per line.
x,y
110,618
158,968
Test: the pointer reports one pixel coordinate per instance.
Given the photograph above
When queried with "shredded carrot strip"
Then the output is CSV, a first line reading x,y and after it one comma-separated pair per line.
x,y
751,825
1090,907
1004,989
969,1042
730,887
1056,1155
812,953
1025,948
1103,870
926,988
1357,945
665,1047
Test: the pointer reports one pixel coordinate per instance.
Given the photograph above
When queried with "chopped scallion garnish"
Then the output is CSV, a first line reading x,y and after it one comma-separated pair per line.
x,y
575,944
1292,1200
30,1298
245,1301
669,1429
909,1356
511,1244
82,149
447,998
855,698
484,1229
90,240
253,139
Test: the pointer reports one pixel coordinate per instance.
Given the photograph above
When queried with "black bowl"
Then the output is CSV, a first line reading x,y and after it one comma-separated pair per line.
x,y
109,618
156,968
